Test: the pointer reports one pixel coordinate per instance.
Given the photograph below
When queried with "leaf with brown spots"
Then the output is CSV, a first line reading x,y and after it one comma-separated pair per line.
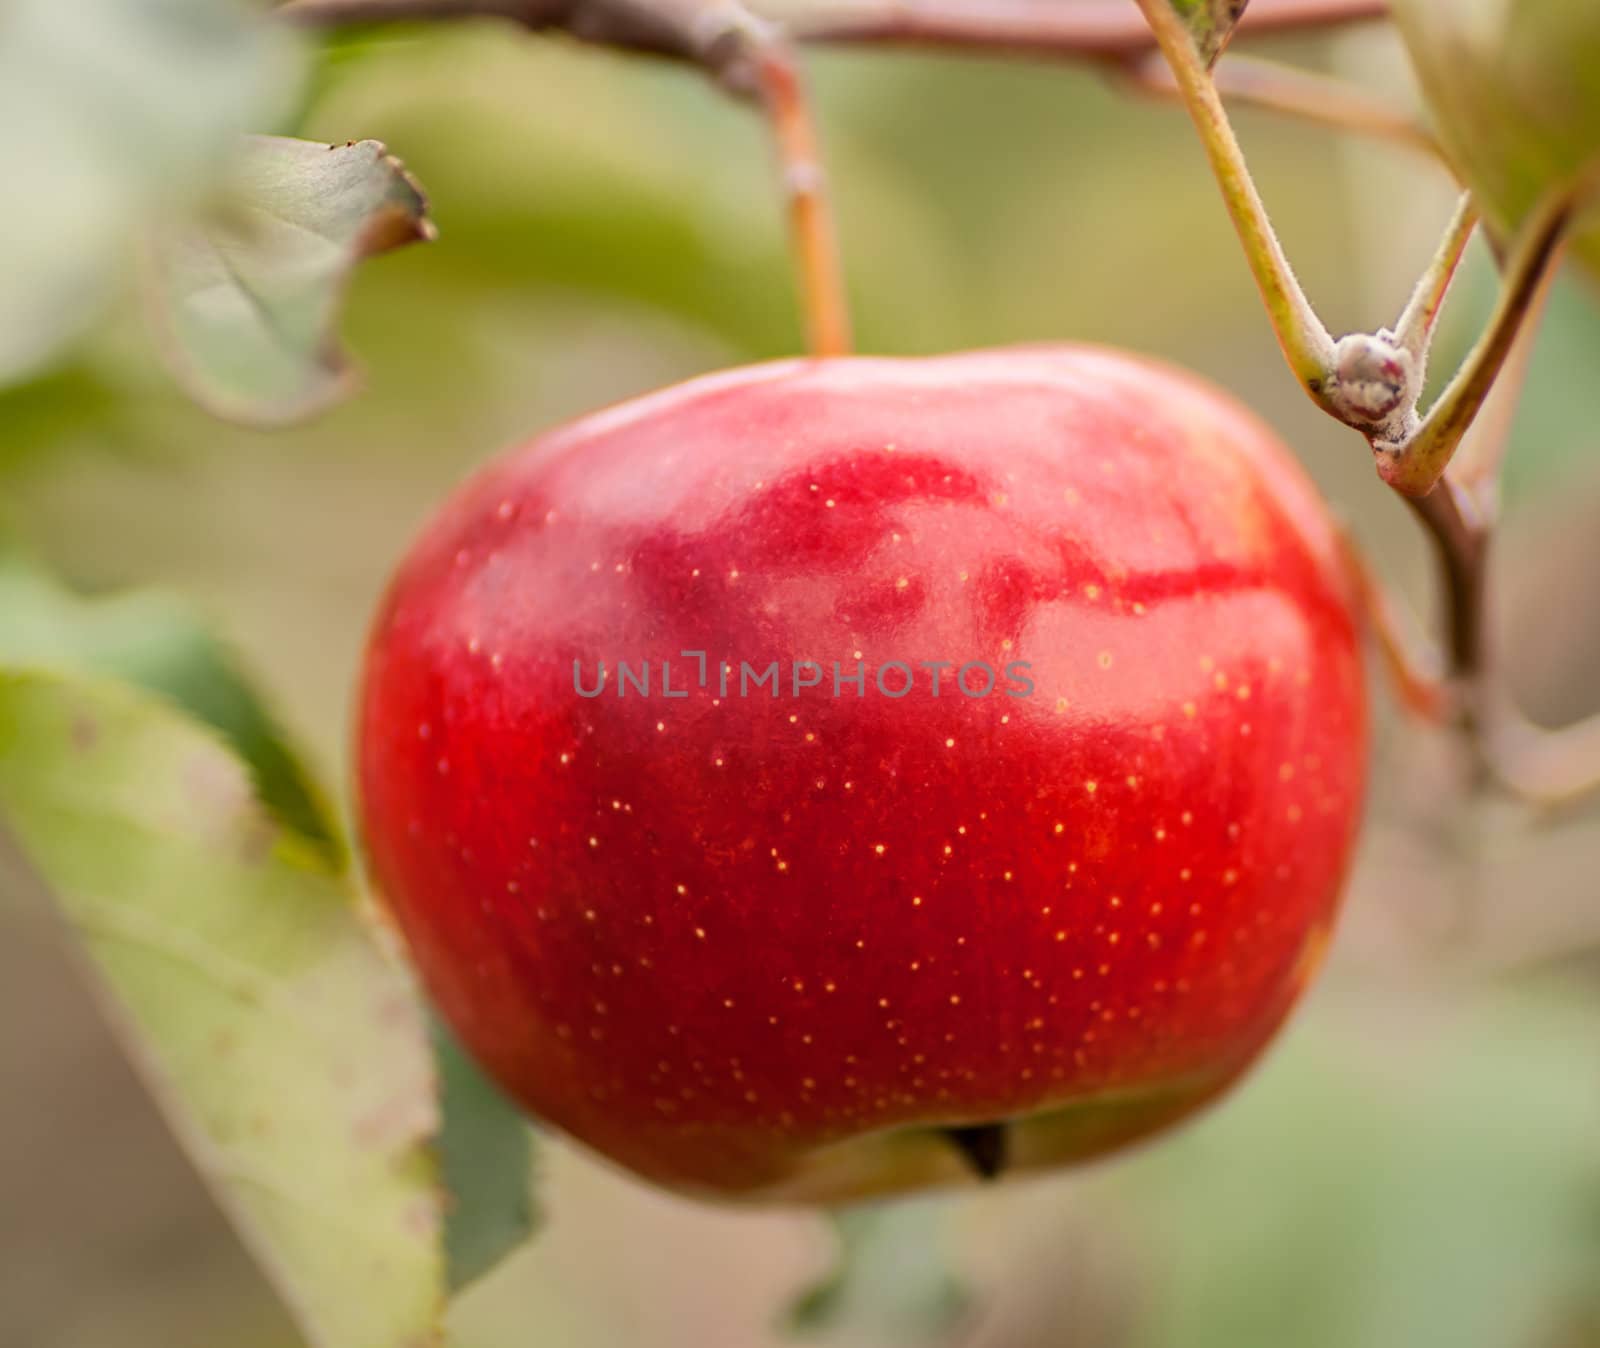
x,y
247,296
289,1055
157,642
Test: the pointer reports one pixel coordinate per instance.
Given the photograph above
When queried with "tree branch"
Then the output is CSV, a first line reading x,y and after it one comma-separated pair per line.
x,y
1044,28
658,27
1460,536
1109,33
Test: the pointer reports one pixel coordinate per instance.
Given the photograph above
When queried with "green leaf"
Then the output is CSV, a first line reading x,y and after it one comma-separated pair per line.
x,y
246,297
1514,90
157,642
286,1051
109,111
61,409
1210,23
892,1280
551,215
486,1153
1441,1189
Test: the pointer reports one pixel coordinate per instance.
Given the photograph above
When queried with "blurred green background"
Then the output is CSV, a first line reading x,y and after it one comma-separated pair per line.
x,y
1418,1162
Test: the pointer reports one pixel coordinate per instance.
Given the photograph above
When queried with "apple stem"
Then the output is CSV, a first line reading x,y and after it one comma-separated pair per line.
x,y
823,295
748,55
983,1146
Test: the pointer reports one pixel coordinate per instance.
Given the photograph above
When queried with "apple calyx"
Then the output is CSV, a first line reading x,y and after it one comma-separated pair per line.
x,y
983,1146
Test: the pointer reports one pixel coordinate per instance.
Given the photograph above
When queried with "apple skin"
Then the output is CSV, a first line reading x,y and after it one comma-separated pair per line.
x,y
769,947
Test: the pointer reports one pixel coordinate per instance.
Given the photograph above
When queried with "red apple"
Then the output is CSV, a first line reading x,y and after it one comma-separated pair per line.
x,y
795,939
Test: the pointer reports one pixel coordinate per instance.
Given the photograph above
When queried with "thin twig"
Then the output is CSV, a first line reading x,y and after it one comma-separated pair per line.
x,y
1543,767
1546,767
1306,343
338,13
1319,99
1109,33
661,27
1043,28
1360,379
1015,27
1414,467
1414,328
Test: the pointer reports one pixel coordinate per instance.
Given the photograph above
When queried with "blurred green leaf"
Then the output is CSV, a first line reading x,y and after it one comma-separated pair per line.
x,y
157,642
1446,1194
1515,92
109,111
247,295
286,1051
893,1280
1556,436
486,1153
661,195
56,409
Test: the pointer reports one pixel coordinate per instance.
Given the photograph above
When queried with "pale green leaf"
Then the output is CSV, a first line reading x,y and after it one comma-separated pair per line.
x,y
289,1055
1444,1193
1514,90
246,296
109,111
892,1280
160,643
